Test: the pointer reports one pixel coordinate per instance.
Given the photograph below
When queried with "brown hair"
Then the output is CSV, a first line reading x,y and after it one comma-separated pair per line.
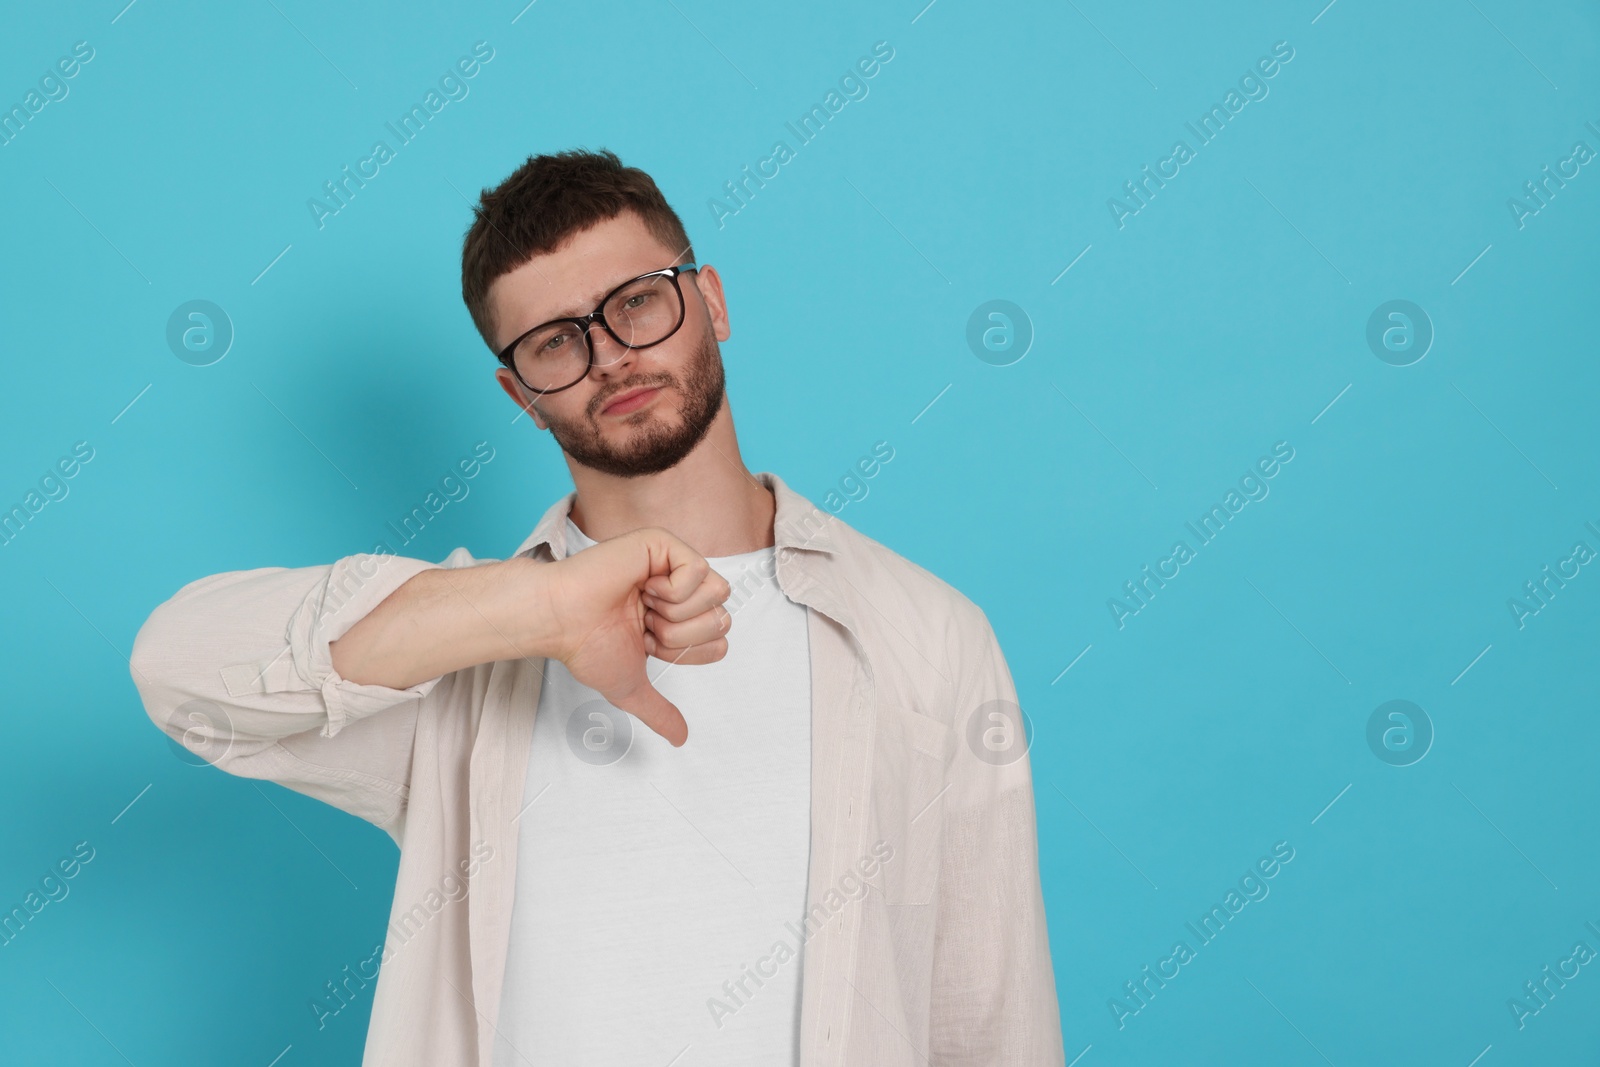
x,y
543,203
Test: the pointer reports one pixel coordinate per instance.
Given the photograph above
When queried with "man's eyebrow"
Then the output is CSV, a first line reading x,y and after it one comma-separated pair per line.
x,y
588,306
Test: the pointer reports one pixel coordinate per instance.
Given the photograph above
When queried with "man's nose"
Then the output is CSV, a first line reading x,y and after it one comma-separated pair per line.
x,y
610,357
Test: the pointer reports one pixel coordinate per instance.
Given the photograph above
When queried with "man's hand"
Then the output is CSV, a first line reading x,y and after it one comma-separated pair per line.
x,y
645,593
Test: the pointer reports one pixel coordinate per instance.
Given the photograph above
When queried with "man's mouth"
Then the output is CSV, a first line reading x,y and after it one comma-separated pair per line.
x,y
631,400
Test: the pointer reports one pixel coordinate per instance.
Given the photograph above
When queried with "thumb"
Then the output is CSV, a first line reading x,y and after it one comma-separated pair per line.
x,y
644,702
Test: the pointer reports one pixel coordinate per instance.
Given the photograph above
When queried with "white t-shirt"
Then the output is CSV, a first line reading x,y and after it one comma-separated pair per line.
x,y
659,890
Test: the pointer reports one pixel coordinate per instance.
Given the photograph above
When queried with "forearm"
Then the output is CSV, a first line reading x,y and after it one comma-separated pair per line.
x,y
445,620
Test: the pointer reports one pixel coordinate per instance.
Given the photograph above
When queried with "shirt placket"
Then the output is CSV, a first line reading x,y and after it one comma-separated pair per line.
x,y
840,783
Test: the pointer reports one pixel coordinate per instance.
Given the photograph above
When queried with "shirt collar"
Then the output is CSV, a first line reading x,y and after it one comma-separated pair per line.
x,y
798,525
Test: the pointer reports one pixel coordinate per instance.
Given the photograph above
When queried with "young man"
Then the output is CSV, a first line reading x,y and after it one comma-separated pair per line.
x,y
821,851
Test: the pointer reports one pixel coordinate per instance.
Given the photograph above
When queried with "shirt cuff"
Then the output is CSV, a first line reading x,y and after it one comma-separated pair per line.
x,y
355,586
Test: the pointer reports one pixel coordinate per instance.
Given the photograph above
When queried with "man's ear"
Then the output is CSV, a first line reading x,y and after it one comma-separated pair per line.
x,y
709,283
518,395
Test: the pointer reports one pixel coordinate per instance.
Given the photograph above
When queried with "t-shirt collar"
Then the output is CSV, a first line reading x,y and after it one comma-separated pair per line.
x,y
798,524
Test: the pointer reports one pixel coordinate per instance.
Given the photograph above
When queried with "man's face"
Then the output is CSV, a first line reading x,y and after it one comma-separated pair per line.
x,y
605,422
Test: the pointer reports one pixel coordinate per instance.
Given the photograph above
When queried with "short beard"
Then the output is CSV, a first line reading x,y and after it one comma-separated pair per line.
x,y
661,446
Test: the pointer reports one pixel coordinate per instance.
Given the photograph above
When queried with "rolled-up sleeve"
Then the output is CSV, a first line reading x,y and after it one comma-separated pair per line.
x,y
994,994
237,669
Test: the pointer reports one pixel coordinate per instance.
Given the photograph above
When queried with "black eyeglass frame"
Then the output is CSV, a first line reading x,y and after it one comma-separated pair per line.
x,y
587,322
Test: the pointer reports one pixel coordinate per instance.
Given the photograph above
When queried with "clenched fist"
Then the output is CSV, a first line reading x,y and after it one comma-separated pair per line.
x,y
645,593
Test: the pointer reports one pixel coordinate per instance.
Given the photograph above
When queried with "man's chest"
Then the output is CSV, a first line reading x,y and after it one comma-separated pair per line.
x,y
656,874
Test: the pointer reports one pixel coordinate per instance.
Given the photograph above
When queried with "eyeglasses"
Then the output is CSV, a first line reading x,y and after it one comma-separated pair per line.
x,y
640,312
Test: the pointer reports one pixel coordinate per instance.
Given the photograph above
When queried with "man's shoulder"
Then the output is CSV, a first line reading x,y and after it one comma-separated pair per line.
x,y
901,589
928,638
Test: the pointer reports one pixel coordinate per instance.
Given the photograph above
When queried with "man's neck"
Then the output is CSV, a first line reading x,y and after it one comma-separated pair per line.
x,y
709,500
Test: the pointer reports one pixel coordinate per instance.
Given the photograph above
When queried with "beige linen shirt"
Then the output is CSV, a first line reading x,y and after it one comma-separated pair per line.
x,y
926,940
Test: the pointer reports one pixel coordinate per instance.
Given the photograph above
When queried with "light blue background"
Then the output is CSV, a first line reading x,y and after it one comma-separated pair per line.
x,y
1224,317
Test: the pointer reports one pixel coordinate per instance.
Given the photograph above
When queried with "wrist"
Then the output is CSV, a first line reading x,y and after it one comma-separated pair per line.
x,y
531,623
